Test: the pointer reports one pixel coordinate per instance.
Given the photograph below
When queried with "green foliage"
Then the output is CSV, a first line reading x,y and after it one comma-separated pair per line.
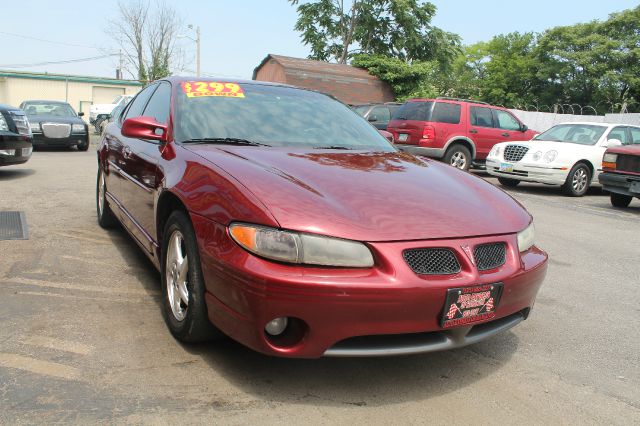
x,y
395,28
414,80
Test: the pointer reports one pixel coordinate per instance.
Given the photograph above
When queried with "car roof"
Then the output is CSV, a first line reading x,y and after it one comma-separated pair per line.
x,y
45,101
182,79
595,123
6,107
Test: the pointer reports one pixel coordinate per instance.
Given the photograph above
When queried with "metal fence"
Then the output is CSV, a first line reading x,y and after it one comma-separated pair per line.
x,y
542,121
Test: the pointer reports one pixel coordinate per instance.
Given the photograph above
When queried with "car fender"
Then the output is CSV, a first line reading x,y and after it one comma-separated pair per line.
x,y
459,138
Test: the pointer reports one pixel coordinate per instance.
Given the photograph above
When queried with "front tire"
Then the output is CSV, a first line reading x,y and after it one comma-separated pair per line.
x,y
185,310
83,146
106,218
511,183
458,156
577,183
620,200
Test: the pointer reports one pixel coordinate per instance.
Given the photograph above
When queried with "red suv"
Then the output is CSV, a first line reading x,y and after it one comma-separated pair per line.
x,y
457,130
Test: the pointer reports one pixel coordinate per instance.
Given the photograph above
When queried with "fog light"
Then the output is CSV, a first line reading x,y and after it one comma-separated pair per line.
x,y
276,326
7,152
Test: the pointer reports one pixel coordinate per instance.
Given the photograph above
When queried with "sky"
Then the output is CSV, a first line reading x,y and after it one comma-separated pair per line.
x,y
237,35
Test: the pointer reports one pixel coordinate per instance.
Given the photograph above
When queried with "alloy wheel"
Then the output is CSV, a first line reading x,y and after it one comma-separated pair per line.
x,y
579,181
458,160
177,276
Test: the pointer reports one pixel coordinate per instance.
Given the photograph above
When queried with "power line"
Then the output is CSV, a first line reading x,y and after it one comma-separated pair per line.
x,y
67,61
48,41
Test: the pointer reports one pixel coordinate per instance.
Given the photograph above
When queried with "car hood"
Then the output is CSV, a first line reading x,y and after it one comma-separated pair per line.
x,y
566,151
54,119
369,196
626,149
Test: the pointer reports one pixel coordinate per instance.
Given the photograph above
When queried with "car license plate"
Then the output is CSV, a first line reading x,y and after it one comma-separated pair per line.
x,y
26,151
506,167
470,304
402,137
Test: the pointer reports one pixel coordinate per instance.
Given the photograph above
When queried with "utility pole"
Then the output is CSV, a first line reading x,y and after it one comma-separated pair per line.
x,y
198,51
119,73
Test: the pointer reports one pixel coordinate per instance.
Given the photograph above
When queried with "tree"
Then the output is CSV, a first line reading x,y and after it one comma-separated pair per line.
x,y
147,38
399,29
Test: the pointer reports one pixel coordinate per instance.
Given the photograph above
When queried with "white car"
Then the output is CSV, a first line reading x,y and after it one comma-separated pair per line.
x,y
101,112
568,154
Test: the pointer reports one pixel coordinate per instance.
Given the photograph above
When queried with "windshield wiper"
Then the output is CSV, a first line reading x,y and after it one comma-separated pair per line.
x,y
228,141
332,147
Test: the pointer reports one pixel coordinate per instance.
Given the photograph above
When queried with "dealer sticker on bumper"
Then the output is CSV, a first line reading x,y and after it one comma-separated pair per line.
x,y
506,167
470,304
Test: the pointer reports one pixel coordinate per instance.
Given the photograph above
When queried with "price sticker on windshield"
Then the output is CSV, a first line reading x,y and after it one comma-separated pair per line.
x,y
198,89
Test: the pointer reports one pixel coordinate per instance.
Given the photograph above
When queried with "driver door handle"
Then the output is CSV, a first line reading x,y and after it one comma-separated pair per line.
x,y
506,135
473,131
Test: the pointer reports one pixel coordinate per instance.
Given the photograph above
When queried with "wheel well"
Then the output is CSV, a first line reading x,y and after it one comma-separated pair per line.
x,y
167,204
464,143
588,164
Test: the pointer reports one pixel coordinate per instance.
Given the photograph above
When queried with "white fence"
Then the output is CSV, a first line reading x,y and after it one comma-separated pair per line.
x,y
542,121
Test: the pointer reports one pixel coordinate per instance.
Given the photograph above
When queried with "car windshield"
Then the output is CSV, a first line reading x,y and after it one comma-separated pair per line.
x,y
582,134
55,109
117,99
271,115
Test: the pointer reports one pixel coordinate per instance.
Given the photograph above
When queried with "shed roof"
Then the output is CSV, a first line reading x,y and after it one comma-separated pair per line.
x,y
71,78
315,66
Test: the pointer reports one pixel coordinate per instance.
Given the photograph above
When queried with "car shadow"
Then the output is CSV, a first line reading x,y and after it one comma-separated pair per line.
x,y
356,381
13,174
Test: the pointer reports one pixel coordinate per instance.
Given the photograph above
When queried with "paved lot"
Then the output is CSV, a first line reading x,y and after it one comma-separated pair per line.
x,y
82,337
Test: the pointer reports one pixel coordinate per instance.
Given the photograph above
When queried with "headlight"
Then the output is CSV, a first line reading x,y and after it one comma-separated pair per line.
x,y
610,158
35,127
495,151
526,238
3,123
549,156
77,128
294,247
537,155
9,152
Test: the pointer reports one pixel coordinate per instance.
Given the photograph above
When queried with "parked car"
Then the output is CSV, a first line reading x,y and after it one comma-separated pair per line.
x,y
458,131
621,171
100,112
114,114
56,124
568,154
304,238
15,136
377,114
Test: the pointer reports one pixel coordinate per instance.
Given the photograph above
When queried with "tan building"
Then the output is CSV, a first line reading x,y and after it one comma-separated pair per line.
x,y
81,92
349,84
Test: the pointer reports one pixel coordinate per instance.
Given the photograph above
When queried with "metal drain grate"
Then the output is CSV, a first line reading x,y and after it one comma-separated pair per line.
x,y
13,226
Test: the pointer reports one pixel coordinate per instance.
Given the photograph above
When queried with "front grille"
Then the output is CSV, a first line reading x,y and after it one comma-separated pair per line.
x,y
56,130
490,256
432,261
515,153
628,163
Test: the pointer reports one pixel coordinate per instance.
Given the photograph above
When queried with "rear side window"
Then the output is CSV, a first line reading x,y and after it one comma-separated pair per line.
x,y
381,113
481,117
446,113
619,133
419,111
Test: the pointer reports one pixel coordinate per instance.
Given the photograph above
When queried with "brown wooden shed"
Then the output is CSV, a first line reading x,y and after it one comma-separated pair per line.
x,y
349,84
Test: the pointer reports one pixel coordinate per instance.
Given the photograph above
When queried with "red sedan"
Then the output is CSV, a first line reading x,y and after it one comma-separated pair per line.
x,y
283,219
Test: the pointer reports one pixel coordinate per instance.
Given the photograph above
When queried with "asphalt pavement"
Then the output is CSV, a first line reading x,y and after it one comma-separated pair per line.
x,y
82,339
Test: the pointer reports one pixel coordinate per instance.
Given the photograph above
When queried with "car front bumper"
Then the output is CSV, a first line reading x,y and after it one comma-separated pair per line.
x,y
21,148
384,310
551,175
40,140
625,184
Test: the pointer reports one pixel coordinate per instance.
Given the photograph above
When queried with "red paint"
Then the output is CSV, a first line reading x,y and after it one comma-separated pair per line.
x,y
391,201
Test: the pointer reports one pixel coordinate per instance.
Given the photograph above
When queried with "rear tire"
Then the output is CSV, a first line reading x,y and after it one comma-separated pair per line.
x,y
511,183
578,180
106,218
184,307
458,156
620,200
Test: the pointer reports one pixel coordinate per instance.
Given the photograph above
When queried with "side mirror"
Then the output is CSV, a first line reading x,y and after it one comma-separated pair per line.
x,y
80,114
144,128
612,143
372,118
523,128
